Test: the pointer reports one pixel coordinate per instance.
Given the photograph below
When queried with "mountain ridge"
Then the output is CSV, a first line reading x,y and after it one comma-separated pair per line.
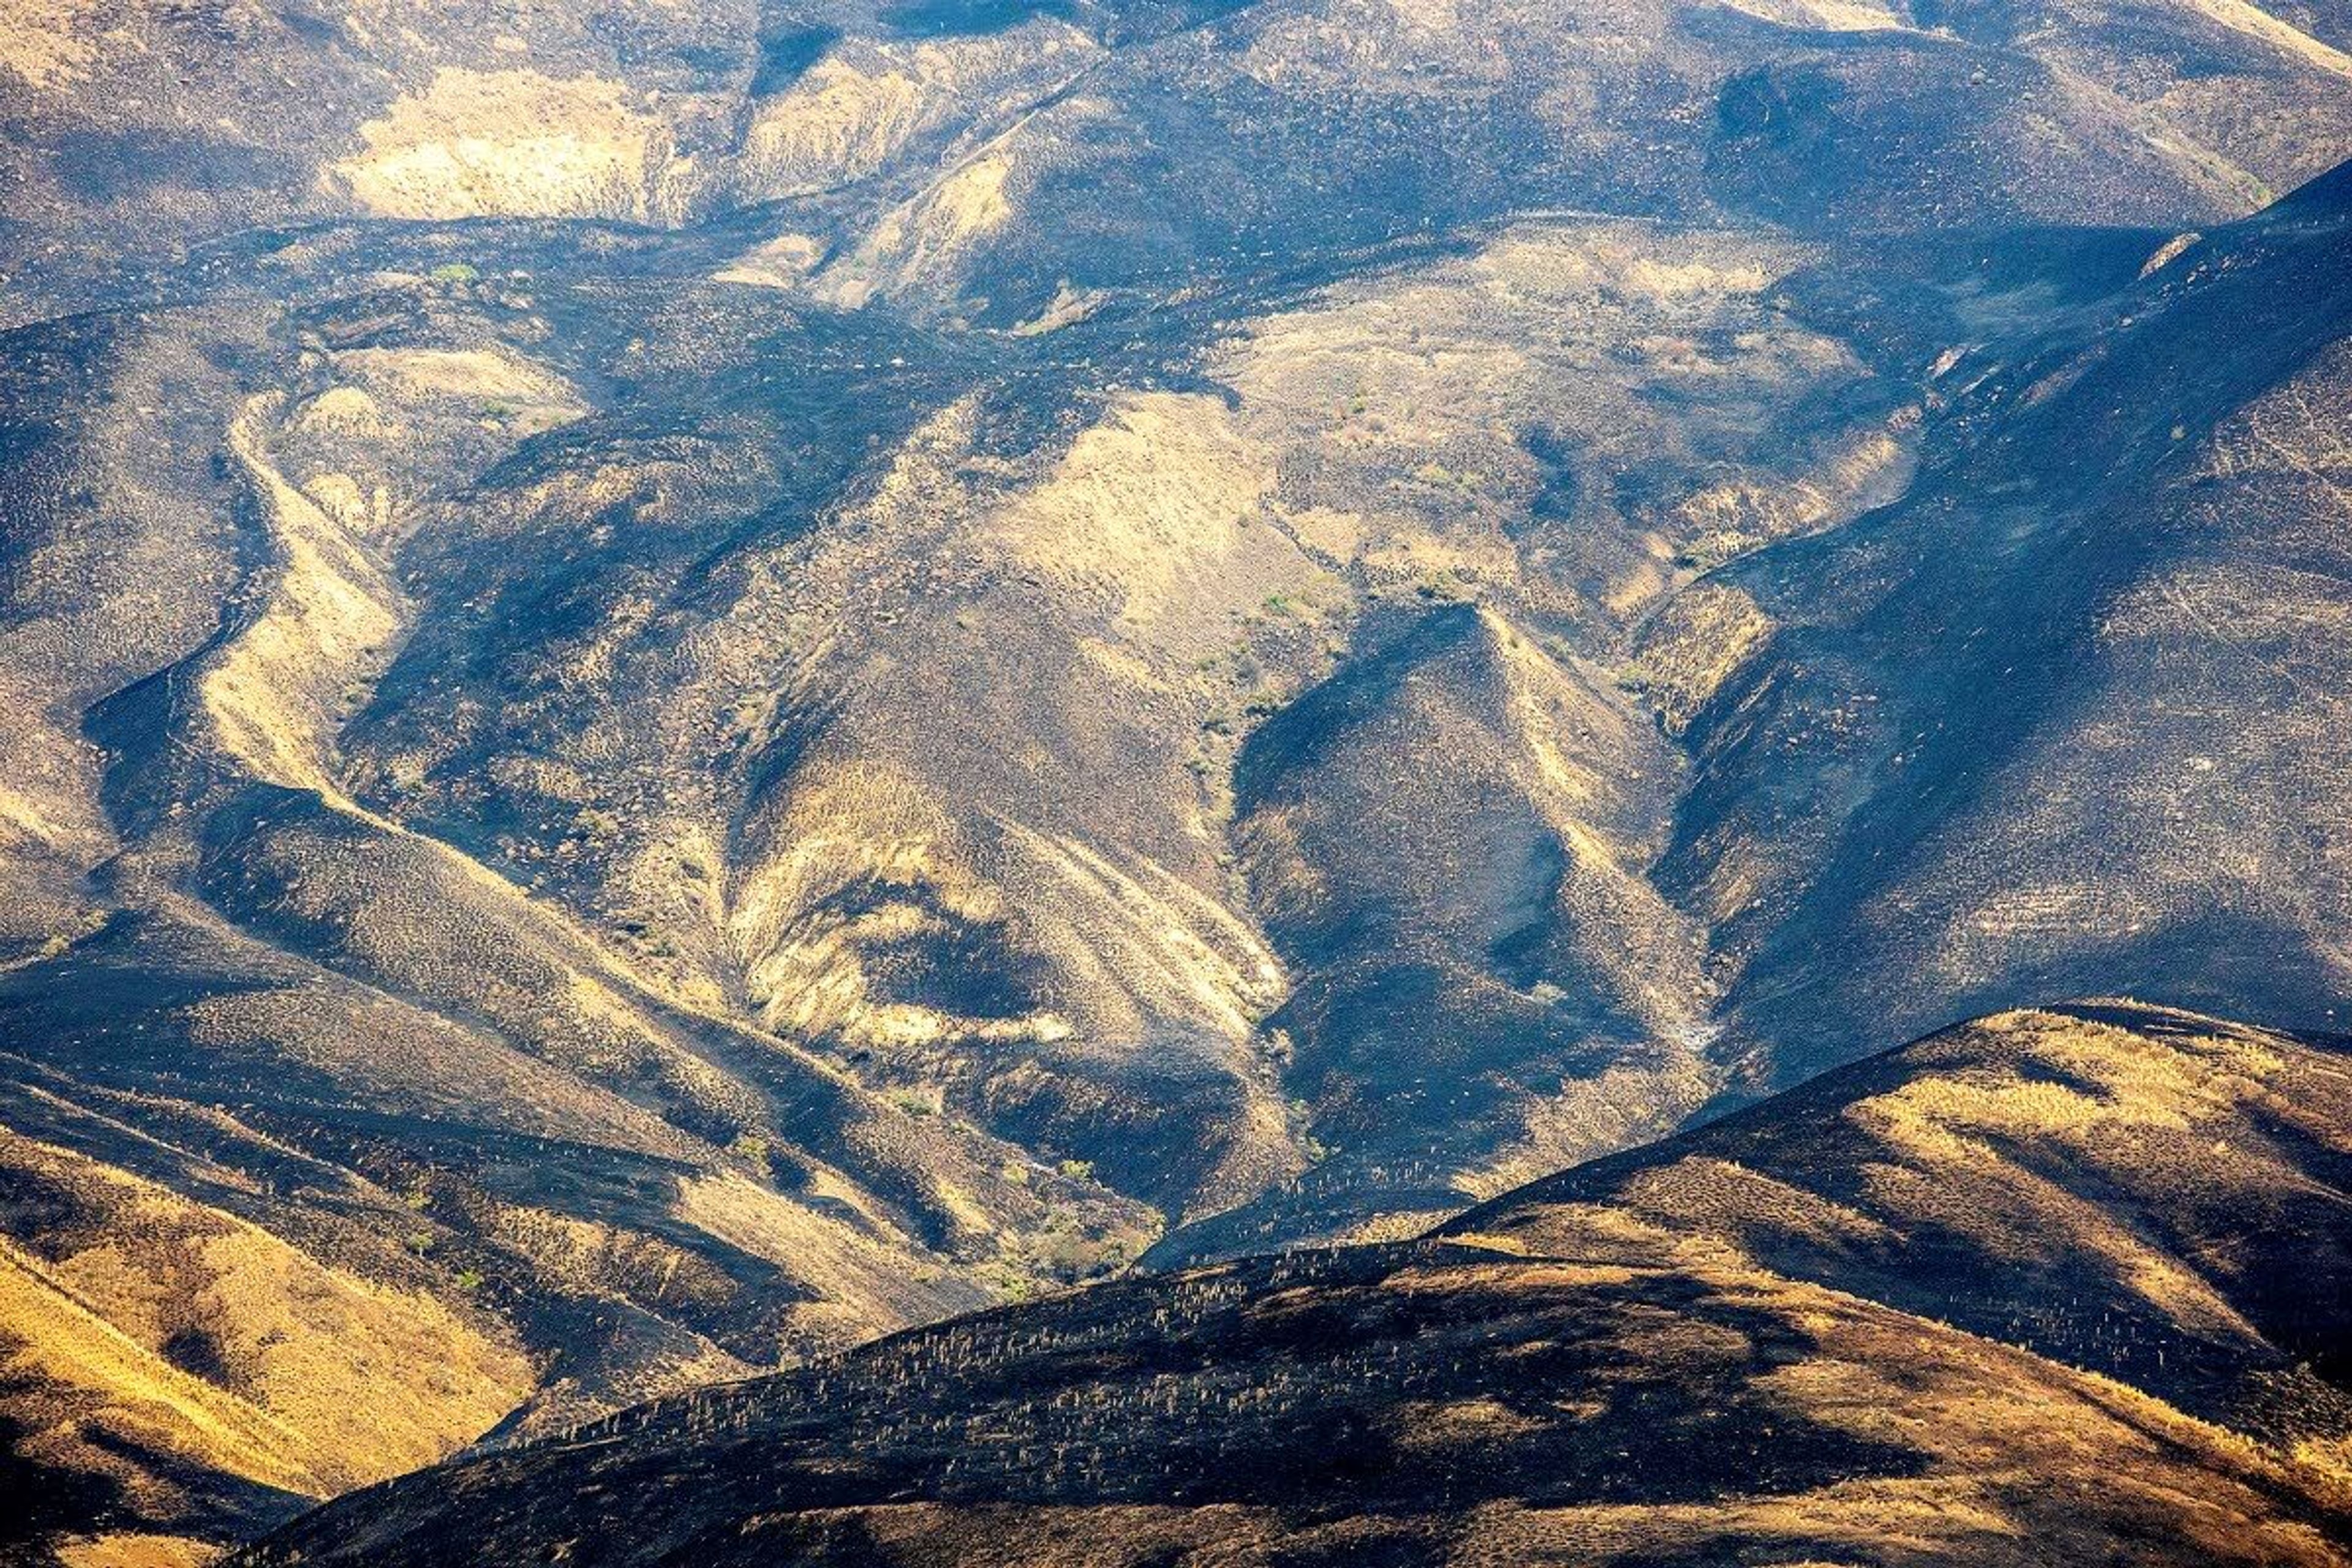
x,y
1410,1399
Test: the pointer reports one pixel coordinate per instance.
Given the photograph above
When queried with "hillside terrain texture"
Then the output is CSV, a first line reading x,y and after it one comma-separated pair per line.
x,y
701,699
1958,1305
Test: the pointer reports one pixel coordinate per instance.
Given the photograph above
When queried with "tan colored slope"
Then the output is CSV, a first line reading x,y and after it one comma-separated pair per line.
x,y
519,144
1423,413
125,1391
332,618
880,110
2290,40
194,1368
357,1379
2154,1196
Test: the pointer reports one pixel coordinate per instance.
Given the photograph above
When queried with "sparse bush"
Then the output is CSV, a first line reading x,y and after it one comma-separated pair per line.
x,y
1442,588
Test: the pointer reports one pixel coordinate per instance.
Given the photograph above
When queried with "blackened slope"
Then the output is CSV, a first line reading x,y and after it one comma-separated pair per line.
x,y
2066,720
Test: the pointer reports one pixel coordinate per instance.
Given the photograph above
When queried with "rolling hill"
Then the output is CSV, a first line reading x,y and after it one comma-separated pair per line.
x,y
1612,1366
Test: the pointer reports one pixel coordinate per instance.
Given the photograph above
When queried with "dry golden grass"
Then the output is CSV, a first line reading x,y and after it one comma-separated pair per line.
x,y
140,1400
326,1380
132,1549
330,617
1155,505
511,144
